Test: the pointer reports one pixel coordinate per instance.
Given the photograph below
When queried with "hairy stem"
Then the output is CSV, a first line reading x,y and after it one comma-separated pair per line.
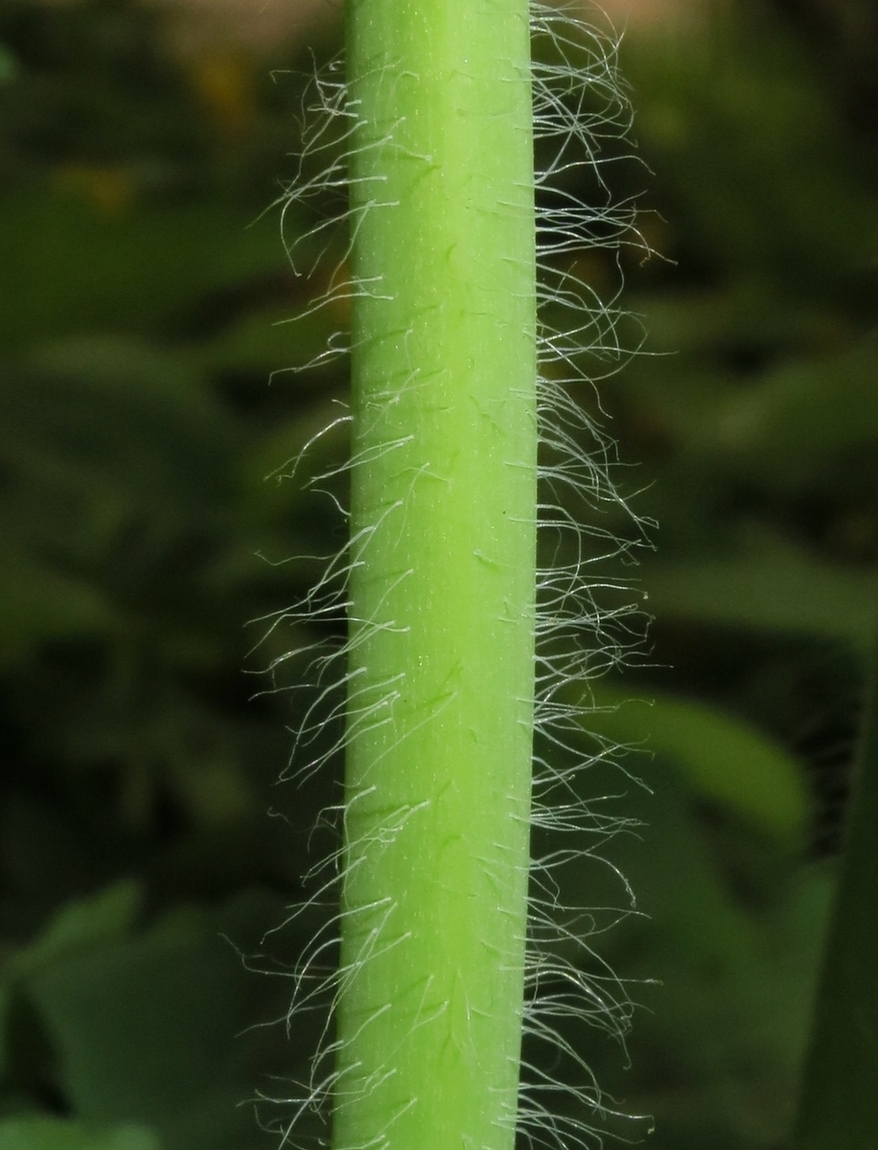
x,y
441,664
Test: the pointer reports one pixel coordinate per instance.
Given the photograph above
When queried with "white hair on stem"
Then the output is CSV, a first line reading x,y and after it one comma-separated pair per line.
x,y
584,626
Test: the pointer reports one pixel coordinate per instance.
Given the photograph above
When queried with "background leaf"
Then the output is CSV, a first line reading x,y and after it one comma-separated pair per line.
x,y
55,1134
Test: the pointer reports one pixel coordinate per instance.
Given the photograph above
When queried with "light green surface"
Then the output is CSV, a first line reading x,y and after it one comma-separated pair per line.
x,y
442,591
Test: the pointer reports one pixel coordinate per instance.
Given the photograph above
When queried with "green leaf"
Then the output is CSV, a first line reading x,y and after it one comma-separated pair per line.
x,y
148,1029
8,65
774,588
722,757
806,419
68,268
117,428
730,933
80,926
838,1098
5,1011
41,603
61,1134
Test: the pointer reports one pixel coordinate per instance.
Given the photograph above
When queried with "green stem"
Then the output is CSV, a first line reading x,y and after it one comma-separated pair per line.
x,y
441,644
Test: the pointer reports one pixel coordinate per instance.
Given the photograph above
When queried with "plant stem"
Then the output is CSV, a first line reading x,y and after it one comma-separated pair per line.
x,y
443,519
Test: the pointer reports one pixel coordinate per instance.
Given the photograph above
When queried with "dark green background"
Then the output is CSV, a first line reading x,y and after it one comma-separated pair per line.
x,y
147,534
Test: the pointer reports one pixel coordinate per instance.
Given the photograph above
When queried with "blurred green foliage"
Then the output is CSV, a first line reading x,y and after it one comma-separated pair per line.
x,y
842,1058
145,292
